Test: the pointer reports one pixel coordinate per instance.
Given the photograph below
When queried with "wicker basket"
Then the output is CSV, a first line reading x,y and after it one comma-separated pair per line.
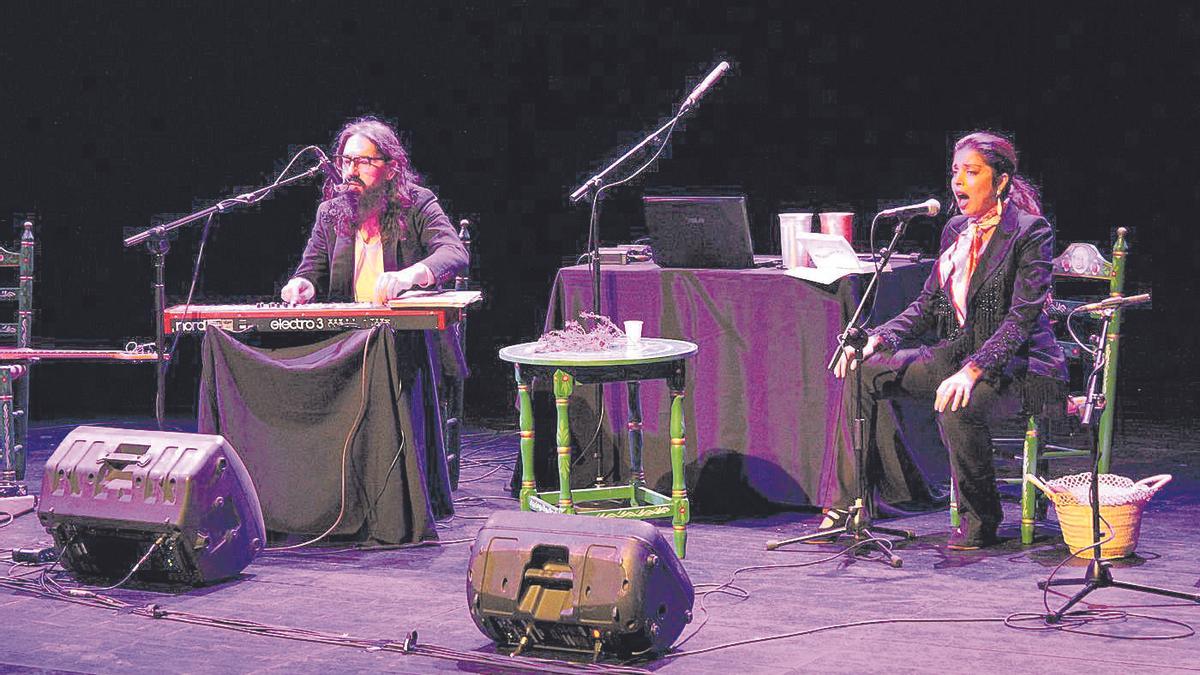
x,y
1121,503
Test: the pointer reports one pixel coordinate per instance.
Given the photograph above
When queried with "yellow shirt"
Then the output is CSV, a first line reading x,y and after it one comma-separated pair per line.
x,y
368,265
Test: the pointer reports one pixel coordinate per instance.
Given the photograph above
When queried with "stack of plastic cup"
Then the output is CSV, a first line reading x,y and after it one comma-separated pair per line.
x,y
791,225
838,223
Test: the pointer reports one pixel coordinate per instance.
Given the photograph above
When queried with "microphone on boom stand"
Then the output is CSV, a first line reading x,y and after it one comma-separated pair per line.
x,y
705,84
857,521
929,207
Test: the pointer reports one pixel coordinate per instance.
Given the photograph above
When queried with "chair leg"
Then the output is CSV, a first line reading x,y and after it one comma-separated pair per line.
x,y
452,411
8,441
1103,437
1029,493
955,518
1041,504
20,412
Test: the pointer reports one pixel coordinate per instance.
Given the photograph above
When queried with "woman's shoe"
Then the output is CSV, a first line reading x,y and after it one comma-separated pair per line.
x,y
961,541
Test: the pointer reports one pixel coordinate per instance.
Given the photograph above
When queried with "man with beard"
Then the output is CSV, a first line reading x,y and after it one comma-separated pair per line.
x,y
377,235
380,233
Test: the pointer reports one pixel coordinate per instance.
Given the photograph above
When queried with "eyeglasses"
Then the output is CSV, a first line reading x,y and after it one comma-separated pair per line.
x,y
345,161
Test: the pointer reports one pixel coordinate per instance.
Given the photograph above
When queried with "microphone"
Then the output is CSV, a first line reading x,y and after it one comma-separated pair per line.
x,y
705,85
929,207
330,170
464,235
856,337
1115,302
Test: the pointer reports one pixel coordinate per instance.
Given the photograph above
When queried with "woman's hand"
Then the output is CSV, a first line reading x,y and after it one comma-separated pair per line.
x,y
955,391
848,362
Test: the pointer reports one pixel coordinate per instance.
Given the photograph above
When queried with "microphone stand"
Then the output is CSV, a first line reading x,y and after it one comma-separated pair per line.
x,y
1098,574
862,510
592,189
157,243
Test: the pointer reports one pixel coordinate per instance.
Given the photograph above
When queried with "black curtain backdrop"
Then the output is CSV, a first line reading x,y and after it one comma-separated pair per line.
x,y
118,115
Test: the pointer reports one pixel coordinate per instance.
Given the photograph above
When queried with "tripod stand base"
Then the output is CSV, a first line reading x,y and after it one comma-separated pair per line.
x,y
859,528
1099,576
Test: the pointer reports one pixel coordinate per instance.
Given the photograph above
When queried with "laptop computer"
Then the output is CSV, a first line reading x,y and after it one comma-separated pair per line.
x,y
699,232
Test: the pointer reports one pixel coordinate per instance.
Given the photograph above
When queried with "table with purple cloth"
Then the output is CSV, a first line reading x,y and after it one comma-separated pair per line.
x,y
763,412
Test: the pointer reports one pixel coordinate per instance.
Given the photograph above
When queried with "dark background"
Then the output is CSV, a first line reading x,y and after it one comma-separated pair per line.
x,y
118,115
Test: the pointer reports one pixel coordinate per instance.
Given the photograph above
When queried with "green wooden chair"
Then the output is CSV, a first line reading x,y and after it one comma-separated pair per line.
x,y
18,354
14,378
1078,262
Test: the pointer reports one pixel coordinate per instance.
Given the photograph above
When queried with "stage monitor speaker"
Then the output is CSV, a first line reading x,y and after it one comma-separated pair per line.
x,y
108,495
577,583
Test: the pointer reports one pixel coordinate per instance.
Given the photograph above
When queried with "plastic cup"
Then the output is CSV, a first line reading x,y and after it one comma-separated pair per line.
x,y
790,225
838,223
633,332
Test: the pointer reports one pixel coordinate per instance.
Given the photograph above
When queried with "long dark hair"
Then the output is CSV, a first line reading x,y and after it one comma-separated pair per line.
x,y
400,190
1001,155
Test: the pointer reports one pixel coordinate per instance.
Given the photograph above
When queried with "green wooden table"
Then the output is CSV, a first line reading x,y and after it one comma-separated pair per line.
x,y
649,359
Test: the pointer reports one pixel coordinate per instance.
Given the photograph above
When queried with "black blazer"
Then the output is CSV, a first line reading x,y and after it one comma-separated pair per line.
x,y
426,236
1006,331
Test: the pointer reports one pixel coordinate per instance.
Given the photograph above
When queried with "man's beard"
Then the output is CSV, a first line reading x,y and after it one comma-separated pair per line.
x,y
366,203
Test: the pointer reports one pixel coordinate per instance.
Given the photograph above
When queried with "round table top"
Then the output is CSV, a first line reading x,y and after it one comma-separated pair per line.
x,y
647,350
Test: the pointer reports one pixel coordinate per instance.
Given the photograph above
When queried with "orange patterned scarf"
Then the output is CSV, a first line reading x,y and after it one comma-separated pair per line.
x,y
957,263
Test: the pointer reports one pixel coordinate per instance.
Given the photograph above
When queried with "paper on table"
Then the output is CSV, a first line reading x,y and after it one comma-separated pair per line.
x,y
832,258
426,298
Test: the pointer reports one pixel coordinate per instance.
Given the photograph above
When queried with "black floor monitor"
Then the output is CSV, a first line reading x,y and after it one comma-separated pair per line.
x,y
699,232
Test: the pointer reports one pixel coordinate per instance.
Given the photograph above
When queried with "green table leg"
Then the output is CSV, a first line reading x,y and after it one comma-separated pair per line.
x,y
637,477
680,506
564,384
526,422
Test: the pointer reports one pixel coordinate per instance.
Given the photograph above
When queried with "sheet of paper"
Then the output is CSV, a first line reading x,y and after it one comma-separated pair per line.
x,y
821,276
432,298
832,258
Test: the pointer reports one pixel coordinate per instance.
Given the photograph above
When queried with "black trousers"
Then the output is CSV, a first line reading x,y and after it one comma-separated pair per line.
x,y
917,373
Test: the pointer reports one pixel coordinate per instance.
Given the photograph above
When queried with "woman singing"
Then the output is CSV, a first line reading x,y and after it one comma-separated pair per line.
x,y
993,353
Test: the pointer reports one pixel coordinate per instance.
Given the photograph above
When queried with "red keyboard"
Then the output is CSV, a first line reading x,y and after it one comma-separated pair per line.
x,y
416,310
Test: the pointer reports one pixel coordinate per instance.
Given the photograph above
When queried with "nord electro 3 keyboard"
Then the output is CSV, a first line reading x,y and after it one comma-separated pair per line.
x,y
415,310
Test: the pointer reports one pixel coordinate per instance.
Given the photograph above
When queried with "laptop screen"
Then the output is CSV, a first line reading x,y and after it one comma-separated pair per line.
x,y
699,232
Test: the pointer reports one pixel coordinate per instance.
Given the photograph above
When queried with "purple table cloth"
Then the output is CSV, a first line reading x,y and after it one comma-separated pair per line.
x,y
762,412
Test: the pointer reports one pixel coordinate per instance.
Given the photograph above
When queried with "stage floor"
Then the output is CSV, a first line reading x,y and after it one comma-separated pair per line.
x,y
942,612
